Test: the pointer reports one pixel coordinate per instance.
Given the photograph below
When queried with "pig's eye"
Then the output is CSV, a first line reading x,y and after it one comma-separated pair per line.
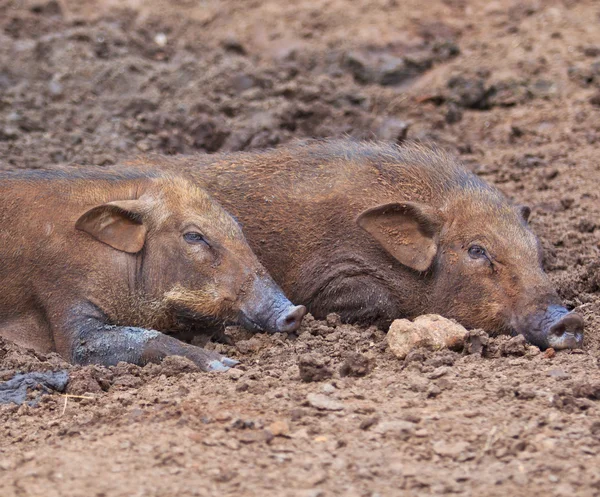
x,y
195,238
477,252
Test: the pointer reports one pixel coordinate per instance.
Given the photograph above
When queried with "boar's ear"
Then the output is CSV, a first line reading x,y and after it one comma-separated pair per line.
x,y
407,230
525,212
118,224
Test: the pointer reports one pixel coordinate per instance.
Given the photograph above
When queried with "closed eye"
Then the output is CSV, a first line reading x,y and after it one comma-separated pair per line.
x,y
195,238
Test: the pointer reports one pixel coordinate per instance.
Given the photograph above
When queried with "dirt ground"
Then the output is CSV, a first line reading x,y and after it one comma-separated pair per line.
x,y
512,87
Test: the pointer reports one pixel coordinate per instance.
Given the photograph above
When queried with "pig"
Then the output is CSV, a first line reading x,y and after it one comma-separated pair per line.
x,y
95,265
376,231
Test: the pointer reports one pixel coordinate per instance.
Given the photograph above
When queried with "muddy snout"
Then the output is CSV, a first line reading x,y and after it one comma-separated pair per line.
x,y
290,319
268,309
557,328
566,330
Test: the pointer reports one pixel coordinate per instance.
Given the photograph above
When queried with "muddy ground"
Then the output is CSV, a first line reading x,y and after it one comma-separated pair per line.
x,y
513,87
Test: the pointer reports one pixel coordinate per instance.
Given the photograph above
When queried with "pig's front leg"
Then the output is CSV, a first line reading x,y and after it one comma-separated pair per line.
x,y
92,341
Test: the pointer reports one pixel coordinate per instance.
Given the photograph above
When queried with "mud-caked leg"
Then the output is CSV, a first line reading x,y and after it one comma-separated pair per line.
x,y
92,341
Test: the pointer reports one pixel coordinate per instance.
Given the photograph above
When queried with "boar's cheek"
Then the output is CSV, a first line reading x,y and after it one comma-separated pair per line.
x,y
408,231
118,224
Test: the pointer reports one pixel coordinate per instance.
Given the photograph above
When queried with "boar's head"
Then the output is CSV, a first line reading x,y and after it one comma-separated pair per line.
x,y
191,258
475,260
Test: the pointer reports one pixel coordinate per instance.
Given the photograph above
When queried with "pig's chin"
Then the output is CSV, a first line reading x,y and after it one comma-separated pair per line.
x,y
247,323
187,319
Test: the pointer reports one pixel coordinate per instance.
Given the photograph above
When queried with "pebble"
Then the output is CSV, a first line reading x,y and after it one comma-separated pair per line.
x,y
160,39
558,373
324,403
449,449
396,429
279,428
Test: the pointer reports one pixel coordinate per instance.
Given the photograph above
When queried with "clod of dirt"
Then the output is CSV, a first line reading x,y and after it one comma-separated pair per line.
x,y
82,381
429,331
516,346
588,390
355,365
313,368
333,320
176,365
476,342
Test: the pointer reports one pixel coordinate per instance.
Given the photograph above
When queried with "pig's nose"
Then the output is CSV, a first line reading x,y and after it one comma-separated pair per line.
x,y
290,319
567,332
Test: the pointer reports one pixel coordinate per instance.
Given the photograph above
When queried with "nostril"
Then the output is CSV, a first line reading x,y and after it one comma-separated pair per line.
x,y
291,320
569,323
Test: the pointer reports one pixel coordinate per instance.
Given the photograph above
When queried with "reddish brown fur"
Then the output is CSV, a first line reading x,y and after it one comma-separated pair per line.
x,y
54,275
299,207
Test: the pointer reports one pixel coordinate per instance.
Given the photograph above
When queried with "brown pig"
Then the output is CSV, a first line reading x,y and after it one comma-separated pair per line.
x,y
92,264
376,231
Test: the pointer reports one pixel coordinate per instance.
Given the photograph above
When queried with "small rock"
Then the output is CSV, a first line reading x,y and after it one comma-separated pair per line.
x,y
324,403
279,428
143,145
396,429
591,51
235,374
549,353
567,202
392,129
9,133
55,88
430,331
368,423
328,388
586,226
449,449
433,391
438,372
453,114
558,373
160,39
233,44
468,92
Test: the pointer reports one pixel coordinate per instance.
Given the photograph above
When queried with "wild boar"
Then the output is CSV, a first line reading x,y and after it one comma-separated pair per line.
x,y
94,264
376,232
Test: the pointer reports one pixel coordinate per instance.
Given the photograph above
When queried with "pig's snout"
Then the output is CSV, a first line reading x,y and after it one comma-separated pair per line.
x,y
291,319
267,309
555,327
566,330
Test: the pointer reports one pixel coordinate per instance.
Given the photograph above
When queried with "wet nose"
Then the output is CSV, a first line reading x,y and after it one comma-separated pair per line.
x,y
290,319
566,332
